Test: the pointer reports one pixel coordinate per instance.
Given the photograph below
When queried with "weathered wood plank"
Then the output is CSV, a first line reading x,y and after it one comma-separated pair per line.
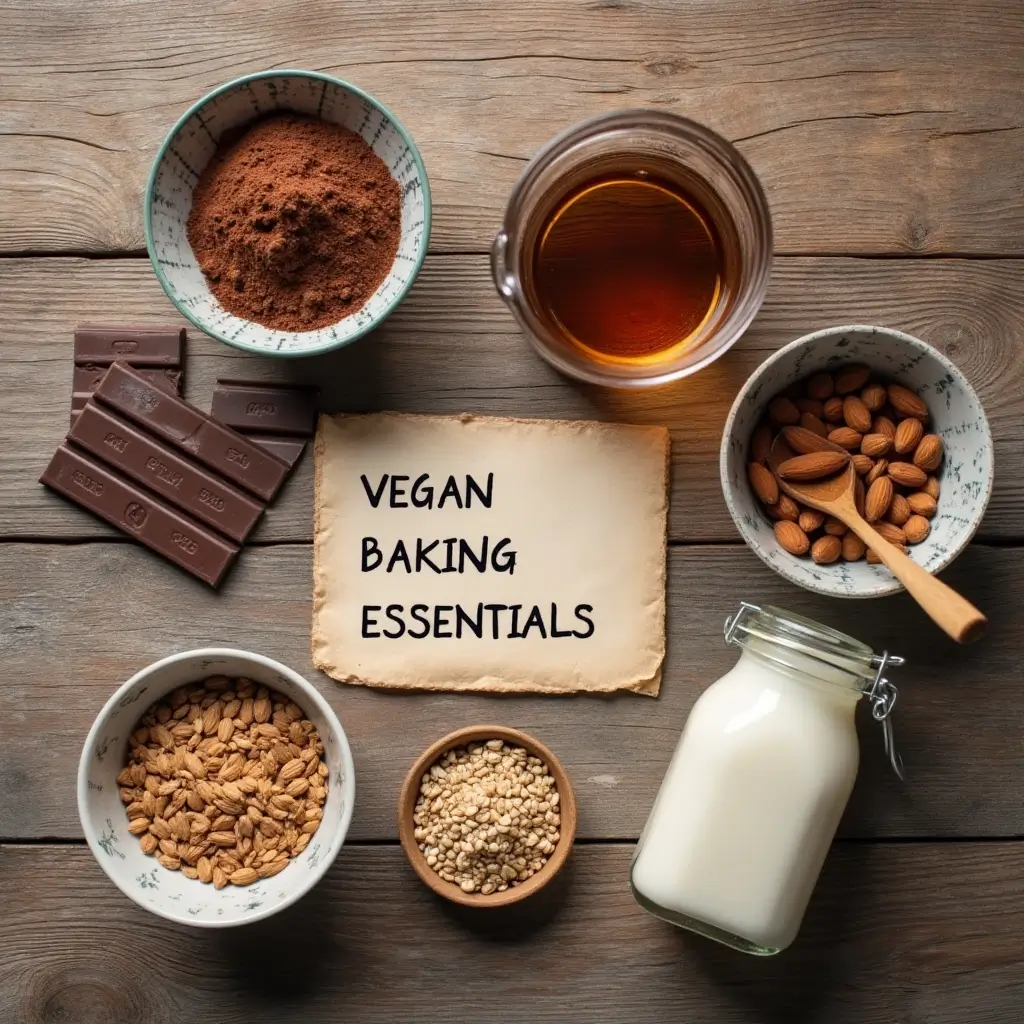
x,y
864,139
76,620
883,941
452,346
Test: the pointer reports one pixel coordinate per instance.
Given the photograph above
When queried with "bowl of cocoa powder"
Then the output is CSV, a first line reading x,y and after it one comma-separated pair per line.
x,y
287,213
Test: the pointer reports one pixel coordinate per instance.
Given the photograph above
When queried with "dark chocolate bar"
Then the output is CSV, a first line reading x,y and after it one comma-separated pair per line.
x,y
266,408
140,515
193,432
131,452
88,376
142,344
289,449
87,379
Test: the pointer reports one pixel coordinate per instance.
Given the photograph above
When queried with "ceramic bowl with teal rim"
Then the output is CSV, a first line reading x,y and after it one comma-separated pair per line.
x,y
965,476
186,152
105,823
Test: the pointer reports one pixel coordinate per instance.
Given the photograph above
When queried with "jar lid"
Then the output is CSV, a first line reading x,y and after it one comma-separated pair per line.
x,y
843,659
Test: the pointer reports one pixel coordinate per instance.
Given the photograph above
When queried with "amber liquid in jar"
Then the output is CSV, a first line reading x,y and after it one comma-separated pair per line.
x,y
628,268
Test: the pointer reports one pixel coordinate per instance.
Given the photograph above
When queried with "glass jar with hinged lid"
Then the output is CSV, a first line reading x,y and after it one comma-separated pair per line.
x,y
759,780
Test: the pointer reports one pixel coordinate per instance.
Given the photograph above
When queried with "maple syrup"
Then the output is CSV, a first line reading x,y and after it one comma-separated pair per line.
x,y
628,268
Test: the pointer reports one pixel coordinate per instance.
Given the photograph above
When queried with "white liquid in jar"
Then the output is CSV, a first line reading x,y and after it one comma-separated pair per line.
x,y
749,805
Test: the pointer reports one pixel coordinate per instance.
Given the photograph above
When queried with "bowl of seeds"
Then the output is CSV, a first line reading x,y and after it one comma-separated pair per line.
x,y
216,787
487,816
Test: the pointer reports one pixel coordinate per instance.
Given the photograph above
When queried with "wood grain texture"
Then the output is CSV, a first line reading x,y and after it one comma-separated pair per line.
x,y
453,347
874,127
76,620
915,933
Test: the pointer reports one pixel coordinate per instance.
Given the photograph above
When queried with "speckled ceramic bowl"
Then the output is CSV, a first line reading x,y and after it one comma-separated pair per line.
x,y
957,416
189,147
169,893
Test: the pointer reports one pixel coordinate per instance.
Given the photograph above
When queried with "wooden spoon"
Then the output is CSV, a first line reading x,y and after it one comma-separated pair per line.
x,y
834,496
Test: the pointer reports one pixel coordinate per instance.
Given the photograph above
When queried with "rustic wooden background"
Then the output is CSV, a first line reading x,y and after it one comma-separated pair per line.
x,y
888,137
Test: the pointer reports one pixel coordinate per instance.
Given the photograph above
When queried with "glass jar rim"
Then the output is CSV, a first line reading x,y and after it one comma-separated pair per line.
x,y
857,665
860,670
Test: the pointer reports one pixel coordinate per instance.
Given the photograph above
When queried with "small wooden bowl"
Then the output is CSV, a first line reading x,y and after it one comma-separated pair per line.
x,y
411,789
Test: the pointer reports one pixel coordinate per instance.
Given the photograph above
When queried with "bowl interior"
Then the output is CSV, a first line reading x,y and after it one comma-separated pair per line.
x,y
169,893
190,147
956,416
411,789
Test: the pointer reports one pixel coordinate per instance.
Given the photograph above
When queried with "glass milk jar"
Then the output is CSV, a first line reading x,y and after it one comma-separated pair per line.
x,y
758,782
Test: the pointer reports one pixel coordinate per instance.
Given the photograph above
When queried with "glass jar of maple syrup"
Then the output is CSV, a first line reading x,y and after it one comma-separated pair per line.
x,y
635,248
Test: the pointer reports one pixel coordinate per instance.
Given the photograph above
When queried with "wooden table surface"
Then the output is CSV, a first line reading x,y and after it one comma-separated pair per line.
x,y
888,137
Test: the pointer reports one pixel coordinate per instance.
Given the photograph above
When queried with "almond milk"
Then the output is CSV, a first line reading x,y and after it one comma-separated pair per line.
x,y
758,782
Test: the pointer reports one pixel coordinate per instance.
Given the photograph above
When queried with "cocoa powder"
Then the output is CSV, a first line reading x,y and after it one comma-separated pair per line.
x,y
295,222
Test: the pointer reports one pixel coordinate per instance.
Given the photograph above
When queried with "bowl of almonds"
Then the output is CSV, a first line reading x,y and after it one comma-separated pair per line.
x,y
906,417
216,787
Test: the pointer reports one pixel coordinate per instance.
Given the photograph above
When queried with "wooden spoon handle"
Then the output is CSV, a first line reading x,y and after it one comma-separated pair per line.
x,y
951,612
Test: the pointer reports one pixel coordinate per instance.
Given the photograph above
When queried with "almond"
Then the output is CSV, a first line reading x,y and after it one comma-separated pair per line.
x,y
810,519
853,547
784,508
791,537
916,529
893,534
820,386
908,433
852,378
814,424
928,453
760,447
883,425
835,527
899,510
783,412
905,402
862,464
873,396
846,437
859,495
826,550
876,471
160,829
813,466
811,405
204,869
878,499
211,719
922,504
245,711
802,440
832,410
932,487
906,474
875,445
243,876
856,414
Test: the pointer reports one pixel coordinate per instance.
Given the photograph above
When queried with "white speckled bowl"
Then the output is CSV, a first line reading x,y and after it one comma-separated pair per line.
x,y
957,416
186,152
169,893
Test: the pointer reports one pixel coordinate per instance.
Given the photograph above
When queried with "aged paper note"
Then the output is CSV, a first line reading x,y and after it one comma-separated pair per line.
x,y
474,553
